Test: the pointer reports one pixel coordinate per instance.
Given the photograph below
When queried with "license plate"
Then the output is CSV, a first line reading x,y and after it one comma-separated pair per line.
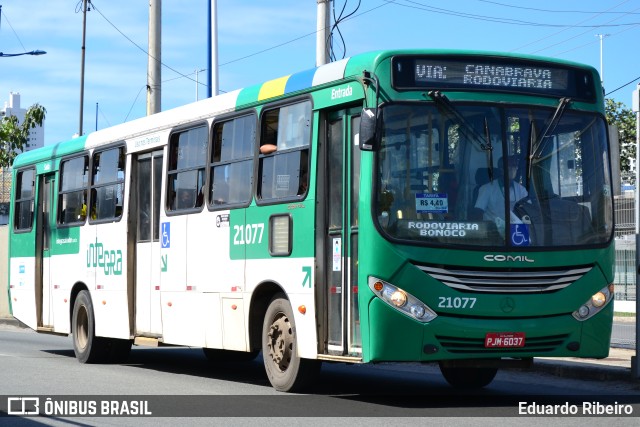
x,y
504,340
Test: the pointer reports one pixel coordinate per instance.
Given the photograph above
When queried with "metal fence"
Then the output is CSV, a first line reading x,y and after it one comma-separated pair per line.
x,y
625,277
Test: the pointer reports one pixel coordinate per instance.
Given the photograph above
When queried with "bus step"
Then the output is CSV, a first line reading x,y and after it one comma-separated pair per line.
x,y
147,342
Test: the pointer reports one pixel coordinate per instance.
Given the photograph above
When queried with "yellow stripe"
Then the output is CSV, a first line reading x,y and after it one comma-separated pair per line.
x,y
273,88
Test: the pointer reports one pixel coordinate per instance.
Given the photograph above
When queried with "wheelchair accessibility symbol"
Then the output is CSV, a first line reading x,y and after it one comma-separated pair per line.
x,y
520,235
166,235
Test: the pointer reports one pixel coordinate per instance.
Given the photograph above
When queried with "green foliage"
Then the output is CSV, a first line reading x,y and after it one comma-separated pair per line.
x,y
625,120
14,135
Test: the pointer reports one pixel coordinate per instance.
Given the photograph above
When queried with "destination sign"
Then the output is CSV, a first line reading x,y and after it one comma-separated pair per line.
x,y
494,74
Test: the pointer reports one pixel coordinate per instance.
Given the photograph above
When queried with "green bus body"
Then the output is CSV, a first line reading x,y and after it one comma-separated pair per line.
x,y
352,226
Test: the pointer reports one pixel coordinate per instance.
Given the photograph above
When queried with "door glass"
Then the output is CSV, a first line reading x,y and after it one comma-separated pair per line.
x,y
46,209
157,185
144,200
335,199
354,331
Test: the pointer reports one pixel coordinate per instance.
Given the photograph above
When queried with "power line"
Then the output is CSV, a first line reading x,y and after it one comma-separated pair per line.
x,y
624,85
144,87
557,11
303,36
421,6
583,33
4,15
337,21
566,29
138,46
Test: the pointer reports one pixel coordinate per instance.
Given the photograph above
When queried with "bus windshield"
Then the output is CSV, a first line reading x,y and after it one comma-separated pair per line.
x,y
493,176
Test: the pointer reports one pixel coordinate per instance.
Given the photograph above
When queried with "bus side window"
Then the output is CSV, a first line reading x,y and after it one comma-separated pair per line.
x,y
72,203
107,184
187,160
231,167
284,172
24,204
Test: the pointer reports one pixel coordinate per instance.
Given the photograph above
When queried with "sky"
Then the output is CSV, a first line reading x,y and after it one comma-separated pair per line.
x,y
260,41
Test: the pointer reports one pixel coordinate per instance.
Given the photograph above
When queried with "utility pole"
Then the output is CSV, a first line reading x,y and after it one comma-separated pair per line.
x,y
601,36
84,38
322,33
212,87
154,71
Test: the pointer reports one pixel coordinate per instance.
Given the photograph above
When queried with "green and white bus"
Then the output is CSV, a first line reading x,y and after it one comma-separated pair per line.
x,y
395,206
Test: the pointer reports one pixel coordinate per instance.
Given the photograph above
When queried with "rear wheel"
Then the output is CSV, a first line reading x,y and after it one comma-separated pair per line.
x,y
468,378
286,371
87,347
85,343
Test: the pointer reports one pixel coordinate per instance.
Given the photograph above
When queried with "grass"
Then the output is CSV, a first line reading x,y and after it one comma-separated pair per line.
x,y
619,314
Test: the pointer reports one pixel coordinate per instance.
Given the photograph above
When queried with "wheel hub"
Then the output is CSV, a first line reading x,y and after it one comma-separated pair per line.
x,y
280,342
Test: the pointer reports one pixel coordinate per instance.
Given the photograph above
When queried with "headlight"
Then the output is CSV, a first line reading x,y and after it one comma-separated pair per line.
x,y
401,300
596,303
598,299
398,298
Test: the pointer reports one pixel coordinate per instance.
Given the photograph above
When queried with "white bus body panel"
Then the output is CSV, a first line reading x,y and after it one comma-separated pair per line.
x,y
290,274
23,290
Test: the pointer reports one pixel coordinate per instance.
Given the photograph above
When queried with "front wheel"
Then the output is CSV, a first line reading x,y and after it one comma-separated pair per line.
x,y
468,378
285,369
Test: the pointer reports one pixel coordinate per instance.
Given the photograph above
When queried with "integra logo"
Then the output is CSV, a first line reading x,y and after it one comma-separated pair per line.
x,y
507,258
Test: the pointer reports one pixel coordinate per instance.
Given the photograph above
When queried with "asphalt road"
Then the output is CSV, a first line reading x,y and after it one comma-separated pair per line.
x,y
181,382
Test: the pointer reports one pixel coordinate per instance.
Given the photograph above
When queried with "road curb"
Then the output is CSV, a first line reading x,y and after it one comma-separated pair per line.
x,y
584,370
12,321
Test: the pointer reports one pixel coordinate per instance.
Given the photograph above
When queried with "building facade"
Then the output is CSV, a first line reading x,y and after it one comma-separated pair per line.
x,y
13,108
36,140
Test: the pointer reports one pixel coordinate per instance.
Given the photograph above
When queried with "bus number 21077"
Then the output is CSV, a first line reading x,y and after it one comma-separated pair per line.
x,y
457,302
249,234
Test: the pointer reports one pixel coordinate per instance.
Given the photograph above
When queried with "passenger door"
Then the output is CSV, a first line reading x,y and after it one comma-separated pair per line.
x,y
44,221
342,181
147,179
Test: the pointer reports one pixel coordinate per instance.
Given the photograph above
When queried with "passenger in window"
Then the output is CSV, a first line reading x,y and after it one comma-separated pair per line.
x,y
82,214
185,200
268,148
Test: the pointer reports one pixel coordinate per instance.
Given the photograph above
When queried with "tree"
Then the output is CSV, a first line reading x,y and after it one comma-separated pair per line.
x,y
14,135
625,120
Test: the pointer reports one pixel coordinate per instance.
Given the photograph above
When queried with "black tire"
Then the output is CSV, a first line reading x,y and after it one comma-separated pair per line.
x,y
468,378
217,355
87,347
286,371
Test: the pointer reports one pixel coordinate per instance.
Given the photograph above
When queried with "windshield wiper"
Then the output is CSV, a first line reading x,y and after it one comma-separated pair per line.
x,y
467,128
484,142
540,143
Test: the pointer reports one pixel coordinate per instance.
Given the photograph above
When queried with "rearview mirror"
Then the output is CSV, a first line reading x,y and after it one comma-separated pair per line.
x,y
368,129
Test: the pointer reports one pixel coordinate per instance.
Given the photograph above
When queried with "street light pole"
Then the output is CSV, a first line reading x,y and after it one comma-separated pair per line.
x,y
84,34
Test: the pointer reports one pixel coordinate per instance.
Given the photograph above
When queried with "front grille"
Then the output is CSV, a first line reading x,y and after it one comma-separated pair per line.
x,y
538,345
506,281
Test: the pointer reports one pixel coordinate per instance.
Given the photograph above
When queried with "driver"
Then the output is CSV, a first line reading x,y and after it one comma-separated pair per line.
x,y
491,196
